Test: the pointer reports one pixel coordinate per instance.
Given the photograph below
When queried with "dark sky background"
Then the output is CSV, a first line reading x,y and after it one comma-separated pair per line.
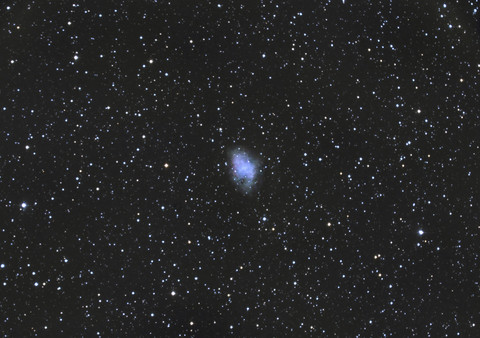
x,y
119,215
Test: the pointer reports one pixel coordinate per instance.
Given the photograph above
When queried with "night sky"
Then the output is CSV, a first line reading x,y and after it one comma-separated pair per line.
x,y
261,168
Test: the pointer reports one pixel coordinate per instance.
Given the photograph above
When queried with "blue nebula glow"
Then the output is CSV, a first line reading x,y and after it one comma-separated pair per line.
x,y
244,169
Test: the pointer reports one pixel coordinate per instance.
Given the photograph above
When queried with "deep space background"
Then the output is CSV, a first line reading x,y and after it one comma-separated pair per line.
x,y
118,213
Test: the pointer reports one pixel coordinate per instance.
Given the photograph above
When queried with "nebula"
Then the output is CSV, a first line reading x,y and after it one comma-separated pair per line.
x,y
244,169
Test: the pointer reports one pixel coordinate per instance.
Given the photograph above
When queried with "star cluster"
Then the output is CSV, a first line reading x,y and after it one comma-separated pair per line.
x,y
134,136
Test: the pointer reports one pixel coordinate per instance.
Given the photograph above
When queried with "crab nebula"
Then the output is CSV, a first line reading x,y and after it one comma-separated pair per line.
x,y
244,169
